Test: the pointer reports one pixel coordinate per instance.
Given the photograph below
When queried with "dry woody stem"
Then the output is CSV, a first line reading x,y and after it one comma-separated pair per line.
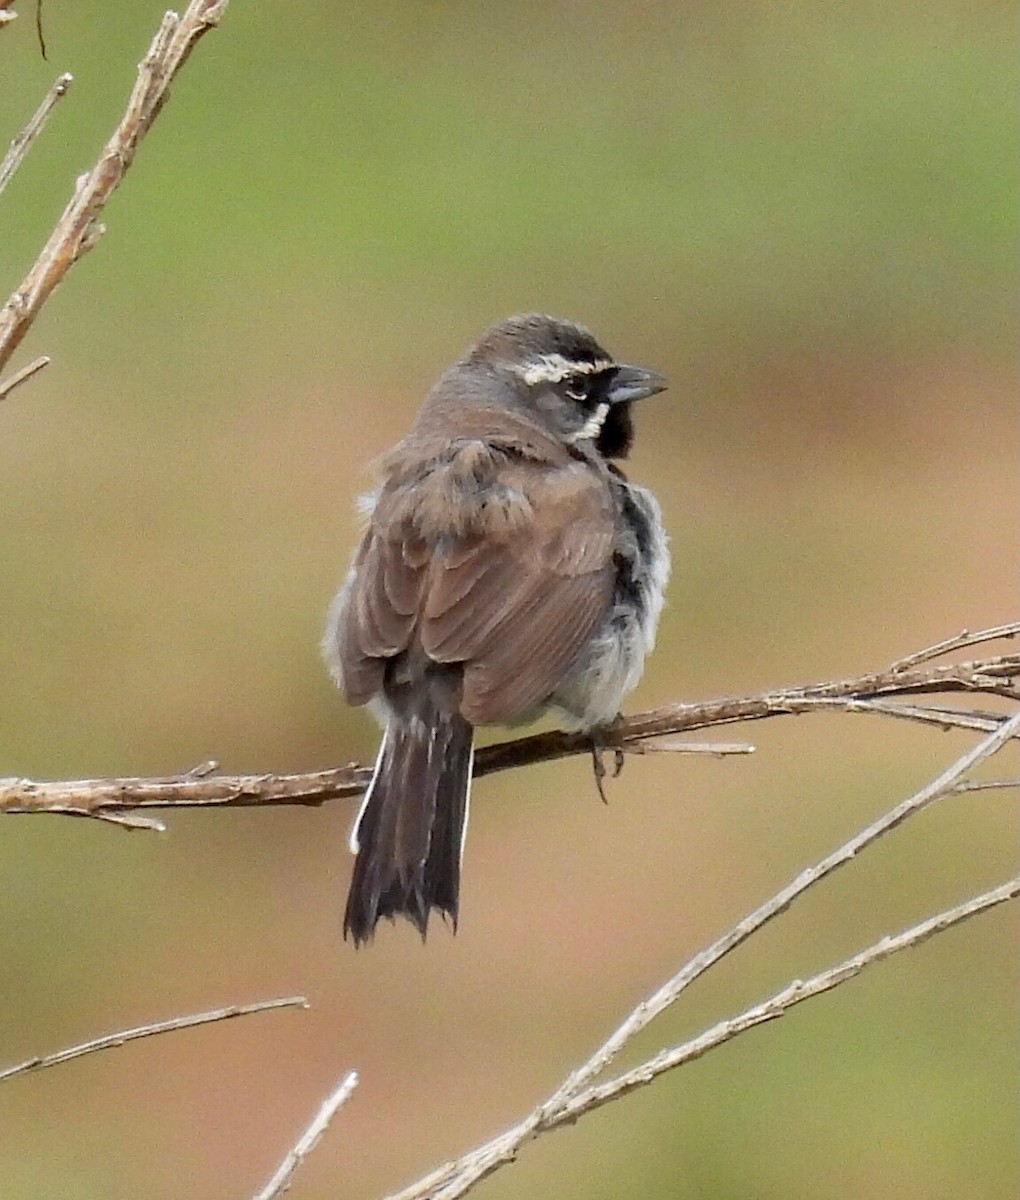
x,y
22,376
895,692
580,1093
21,145
110,1040
306,1143
907,690
571,1101
78,228
904,690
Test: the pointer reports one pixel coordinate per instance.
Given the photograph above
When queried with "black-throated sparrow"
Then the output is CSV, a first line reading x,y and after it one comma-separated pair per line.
x,y
508,567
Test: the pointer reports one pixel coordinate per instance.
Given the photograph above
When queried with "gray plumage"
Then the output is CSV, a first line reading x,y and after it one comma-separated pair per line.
x,y
508,567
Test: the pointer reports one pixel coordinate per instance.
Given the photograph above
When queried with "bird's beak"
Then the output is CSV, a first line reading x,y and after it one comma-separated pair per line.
x,y
634,383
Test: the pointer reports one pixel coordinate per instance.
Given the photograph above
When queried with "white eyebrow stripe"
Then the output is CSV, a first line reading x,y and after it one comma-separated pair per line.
x,y
551,368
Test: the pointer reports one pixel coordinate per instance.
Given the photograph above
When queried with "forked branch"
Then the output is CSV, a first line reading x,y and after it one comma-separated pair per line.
x,y
580,1093
895,692
78,228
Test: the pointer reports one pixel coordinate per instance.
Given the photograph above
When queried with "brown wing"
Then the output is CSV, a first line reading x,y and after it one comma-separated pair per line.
x,y
378,608
517,606
512,588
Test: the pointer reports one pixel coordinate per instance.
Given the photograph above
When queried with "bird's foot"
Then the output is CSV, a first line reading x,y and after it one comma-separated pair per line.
x,y
598,749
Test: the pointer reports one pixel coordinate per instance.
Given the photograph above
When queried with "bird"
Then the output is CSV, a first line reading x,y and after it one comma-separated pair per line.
x,y
508,568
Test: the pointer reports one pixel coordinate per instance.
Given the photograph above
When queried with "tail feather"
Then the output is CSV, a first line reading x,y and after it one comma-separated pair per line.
x,y
409,834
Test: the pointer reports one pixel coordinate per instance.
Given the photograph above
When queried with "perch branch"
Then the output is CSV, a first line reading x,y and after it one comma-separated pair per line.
x,y
873,693
579,1094
142,1031
78,228
306,1143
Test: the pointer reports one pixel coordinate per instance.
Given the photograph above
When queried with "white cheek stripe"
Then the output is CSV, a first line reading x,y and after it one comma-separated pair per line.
x,y
552,368
593,426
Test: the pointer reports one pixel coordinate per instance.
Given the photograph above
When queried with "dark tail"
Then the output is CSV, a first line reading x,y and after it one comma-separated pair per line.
x,y
410,831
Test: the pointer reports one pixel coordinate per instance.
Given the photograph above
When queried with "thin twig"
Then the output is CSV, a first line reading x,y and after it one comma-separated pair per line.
x,y
132,820
22,143
957,642
141,1031
931,714
40,36
78,228
986,785
670,991
19,377
454,1179
457,1178
306,1143
669,746
867,693
785,999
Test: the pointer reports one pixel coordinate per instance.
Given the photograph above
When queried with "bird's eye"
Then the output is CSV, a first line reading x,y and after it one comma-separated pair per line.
x,y
577,387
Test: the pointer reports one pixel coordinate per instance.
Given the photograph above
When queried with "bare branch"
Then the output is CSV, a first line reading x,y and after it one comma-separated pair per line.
x,y
78,228
132,820
995,676
713,749
785,999
91,797
931,714
987,785
958,642
21,144
872,693
459,1177
142,1031
578,1094
306,1143
670,991
21,376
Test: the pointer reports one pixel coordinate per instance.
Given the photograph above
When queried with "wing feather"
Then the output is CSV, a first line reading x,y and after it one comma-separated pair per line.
x,y
534,650
518,610
512,592
465,608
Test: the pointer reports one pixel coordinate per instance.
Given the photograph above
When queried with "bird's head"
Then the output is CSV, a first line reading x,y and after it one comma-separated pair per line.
x,y
558,375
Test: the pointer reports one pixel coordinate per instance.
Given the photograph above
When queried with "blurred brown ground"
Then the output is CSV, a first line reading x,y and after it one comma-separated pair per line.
x,y
803,217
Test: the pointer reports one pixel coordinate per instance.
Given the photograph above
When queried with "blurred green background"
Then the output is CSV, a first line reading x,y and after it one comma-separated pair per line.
x,y
804,215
